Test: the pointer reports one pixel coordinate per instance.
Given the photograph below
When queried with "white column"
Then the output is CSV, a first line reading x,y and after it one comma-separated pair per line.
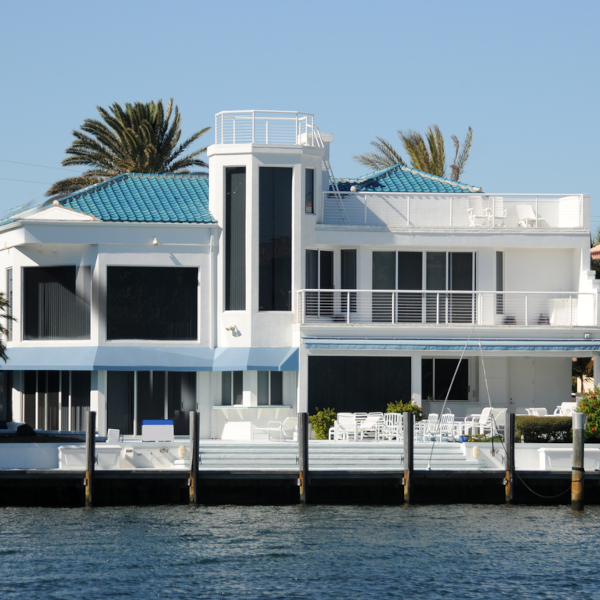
x,y
302,402
250,388
415,378
98,400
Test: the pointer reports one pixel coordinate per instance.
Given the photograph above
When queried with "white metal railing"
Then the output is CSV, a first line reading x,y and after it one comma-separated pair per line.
x,y
455,308
266,127
477,211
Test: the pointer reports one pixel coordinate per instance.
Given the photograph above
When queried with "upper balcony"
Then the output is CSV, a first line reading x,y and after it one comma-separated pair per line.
x,y
479,212
279,128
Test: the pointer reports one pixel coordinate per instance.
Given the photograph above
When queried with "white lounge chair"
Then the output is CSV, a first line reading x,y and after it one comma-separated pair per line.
x,y
566,409
442,430
537,411
497,214
286,431
426,429
527,218
391,428
344,428
370,426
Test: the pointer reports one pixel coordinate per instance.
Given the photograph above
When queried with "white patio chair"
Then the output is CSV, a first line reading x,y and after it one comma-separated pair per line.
x,y
537,411
370,426
344,428
566,409
497,214
391,428
477,422
477,215
443,430
427,428
286,431
527,218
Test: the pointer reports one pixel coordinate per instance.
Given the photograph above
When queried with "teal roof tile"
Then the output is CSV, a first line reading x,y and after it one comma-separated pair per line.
x,y
401,178
137,197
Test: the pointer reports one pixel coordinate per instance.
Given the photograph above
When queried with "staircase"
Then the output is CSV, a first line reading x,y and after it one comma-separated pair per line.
x,y
328,456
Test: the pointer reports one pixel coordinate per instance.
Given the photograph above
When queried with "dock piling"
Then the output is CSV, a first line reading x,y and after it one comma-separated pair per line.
x,y
509,480
90,458
578,473
409,429
303,475
194,455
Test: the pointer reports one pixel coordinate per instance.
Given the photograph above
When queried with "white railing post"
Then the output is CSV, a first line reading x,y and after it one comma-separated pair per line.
x,y
267,130
526,309
537,212
437,308
570,311
408,211
234,131
253,127
451,204
348,307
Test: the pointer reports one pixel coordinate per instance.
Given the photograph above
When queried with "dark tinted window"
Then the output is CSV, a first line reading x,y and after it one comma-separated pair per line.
x,y
52,307
309,198
235,238
275,244
152,303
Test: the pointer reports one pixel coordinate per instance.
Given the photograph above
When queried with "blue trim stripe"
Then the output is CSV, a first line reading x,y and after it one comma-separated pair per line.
x,y
456,345
157,422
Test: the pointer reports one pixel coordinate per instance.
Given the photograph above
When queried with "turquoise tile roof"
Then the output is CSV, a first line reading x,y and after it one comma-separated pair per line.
x,y
401,178
145,198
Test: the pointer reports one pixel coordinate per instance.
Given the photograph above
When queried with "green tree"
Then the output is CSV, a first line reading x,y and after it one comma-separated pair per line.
x,y
595,241
425,153
139,138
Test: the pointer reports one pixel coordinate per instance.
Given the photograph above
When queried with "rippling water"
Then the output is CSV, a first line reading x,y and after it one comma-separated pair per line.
x,y
294,552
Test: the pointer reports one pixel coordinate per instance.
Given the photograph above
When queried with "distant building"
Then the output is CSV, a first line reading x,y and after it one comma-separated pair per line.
x,y
277,289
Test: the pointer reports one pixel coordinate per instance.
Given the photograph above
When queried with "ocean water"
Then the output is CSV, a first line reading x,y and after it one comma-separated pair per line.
x,y
316,552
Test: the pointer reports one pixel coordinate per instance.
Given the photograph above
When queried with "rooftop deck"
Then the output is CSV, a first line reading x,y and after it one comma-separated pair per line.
x,y
480,212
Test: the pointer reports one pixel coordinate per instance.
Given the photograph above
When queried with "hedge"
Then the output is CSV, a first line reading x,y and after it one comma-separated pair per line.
x,y
543,429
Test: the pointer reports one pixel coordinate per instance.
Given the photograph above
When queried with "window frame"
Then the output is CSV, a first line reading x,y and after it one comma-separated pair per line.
x,y
270,374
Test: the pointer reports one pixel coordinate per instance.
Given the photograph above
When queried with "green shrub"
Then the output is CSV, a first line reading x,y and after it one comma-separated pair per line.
x,y
401,407
590,406
322,421
543,429
480,437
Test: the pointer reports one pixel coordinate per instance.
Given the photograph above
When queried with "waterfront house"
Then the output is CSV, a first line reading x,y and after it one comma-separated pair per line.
x,y
278,289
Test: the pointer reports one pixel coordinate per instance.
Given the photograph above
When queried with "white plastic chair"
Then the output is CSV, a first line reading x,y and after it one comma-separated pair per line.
x,y
527,218
427,428
370,426
537,411
391,428
566,409
497,213
344,428
477,215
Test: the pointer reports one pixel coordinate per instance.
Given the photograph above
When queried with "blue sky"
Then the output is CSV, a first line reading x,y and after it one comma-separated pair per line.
x,y
524,75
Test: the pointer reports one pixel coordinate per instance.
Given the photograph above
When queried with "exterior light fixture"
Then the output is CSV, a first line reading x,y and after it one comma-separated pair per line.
x,y
155,242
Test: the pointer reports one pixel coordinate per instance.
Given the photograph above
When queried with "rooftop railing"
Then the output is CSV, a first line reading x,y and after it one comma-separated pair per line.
x,y
266,127
447,308
476,211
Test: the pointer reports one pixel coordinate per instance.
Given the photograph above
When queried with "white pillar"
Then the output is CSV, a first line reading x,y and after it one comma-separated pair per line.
x,y
302,403
98,400
416,379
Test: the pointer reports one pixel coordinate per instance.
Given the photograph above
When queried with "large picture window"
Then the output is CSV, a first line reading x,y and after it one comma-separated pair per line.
x,y
152,303
436,377
270,388
56,303
235,238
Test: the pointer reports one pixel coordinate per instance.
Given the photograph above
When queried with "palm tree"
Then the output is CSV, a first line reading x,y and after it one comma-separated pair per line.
x,y
140,138
426,154
5,313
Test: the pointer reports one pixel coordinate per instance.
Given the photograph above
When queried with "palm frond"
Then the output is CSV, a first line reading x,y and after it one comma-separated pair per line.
x,y
458,166
386,156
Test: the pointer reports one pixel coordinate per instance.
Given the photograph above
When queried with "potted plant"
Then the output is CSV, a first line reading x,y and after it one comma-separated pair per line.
x,y
322,421
402,407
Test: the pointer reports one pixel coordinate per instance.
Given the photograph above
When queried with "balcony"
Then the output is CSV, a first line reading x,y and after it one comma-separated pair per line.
x,y
446,308
267,127
479,212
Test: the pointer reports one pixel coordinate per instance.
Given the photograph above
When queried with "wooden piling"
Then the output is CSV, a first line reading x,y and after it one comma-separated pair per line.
x,y
194,455
578,473
90,458
409,428
303,475
509,442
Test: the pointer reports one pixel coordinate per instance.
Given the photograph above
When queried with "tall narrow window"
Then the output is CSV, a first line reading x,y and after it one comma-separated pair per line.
x,y
270,388
319,275
9,300
384,278
410,277
53,309
309,194
348,260
235,238
6,395
232,388
499,283
275,243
